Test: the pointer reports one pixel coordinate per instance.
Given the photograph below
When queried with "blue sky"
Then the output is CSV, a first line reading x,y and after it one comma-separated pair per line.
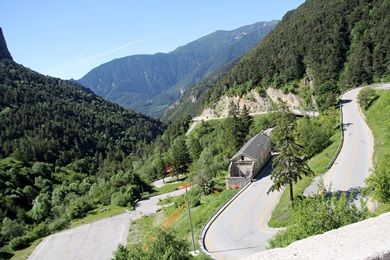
x,y
67,39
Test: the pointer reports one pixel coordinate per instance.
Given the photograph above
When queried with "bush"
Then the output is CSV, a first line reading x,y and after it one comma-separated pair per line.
x,y
318,214
121,199
19,243
39,231
378,182
167,245
58,224
366,97
79,208
194,196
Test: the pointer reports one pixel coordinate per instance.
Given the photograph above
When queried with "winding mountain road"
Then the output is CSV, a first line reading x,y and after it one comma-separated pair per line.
x,y
352,165
99,239
241,229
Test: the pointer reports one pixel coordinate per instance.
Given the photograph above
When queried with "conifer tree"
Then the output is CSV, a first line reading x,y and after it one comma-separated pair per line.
x,y
290,164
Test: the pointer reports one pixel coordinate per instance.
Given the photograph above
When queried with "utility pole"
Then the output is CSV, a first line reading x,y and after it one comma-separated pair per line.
x,y
192,231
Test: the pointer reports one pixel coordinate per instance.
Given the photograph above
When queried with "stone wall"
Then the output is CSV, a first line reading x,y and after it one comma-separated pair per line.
x,y
235,182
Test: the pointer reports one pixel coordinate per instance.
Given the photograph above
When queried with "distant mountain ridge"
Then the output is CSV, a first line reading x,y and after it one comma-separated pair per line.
x,y
150,83
321,48
4,53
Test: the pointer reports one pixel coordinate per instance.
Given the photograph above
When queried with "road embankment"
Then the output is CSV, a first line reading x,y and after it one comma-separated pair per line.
x,y
368,239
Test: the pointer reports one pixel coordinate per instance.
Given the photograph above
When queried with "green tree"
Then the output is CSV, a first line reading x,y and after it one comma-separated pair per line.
x,y
327,95
41,207
313,134
245,122
11,229
378,182
206,172
290,164
366,97
160,167
169,246
180,157
194,147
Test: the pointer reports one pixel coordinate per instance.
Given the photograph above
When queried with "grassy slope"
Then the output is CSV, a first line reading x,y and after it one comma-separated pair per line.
x,y
281,214
144,228
379,122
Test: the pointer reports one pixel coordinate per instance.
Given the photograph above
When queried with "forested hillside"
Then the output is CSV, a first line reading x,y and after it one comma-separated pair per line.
x,y
150,83
335,45
63,152
50,120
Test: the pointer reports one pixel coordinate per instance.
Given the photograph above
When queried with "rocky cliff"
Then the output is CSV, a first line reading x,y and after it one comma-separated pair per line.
x,y
4,53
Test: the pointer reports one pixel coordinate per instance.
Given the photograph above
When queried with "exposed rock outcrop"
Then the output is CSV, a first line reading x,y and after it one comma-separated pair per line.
x,y
4,53
253,101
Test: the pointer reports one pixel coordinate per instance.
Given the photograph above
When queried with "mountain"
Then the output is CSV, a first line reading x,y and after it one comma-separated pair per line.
x,y
317,50
59,122
150,83
346,42
64,152
4,53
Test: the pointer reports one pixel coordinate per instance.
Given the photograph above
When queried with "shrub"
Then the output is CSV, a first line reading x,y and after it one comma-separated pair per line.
x,y
318,214
19,243
378,182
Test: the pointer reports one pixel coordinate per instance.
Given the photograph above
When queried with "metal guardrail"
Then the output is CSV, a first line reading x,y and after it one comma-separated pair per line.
x,y
341,135
210,221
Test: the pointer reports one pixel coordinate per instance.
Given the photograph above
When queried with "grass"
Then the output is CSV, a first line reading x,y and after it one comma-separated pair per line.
x,y
379,123
200,214
25,253
143,229
169,186
97,214
166,201
281,215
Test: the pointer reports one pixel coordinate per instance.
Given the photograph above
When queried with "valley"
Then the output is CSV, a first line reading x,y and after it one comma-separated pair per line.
x,y
70,150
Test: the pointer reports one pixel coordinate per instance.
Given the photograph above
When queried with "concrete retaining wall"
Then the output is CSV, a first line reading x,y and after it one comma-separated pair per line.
x,y
368,239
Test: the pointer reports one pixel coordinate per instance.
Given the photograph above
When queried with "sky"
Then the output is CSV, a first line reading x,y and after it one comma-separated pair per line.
x,y
67,39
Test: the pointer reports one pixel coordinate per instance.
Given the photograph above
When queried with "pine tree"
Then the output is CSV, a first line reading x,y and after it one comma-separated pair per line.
x,y
290,165
180,156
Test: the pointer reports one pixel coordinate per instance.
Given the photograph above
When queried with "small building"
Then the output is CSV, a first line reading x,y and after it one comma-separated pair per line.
x,y
248,161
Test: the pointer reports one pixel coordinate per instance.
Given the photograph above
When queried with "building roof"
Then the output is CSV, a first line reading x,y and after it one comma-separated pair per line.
x,y
253,147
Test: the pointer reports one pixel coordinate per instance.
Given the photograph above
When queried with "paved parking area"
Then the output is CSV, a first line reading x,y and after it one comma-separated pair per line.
x,y
96,240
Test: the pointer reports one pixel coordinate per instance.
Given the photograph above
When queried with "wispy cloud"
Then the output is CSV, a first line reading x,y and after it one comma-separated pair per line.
x,y
80,60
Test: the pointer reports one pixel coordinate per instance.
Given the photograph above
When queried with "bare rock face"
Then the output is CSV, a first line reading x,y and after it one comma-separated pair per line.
x,y
4,53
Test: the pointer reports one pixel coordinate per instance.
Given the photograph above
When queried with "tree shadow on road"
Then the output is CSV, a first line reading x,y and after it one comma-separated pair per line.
x,y
353,193
345,101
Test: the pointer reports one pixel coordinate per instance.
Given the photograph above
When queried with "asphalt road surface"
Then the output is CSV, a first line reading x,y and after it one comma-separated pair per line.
x,y
352,165
97,240
241,229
